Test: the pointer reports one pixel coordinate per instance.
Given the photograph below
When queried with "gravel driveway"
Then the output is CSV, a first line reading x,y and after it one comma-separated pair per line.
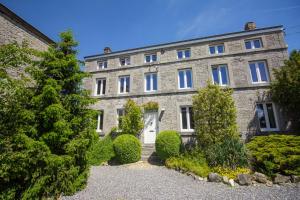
x,y
145,181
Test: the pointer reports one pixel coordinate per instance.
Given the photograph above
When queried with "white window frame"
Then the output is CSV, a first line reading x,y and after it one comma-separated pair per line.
x,y
216,49
125,84
183,53
151,57
259,81
118,116
102,64
188,117
267,117
101,89
151,82
99,121
220,74
252,43
185,79
126,59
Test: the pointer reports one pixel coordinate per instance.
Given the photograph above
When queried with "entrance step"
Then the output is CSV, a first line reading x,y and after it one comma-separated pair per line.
x,y
148,153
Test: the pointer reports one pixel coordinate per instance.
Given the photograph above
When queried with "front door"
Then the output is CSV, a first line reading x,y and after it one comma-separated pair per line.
x,y
150,127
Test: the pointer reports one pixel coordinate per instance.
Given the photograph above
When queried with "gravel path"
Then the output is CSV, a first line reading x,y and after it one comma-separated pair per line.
x,y
145,181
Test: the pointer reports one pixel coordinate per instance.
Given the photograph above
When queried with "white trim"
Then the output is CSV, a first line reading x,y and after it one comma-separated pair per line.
x,y
126,60
118,116
102,62
252,43
216,49
183,54
185,79
125,84
102,91
267,117
220,74
151,82
151,57
99,121
258,72
187,118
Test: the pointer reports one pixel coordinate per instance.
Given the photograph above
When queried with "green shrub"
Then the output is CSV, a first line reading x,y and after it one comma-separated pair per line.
x,y
127,148
231,173
101,151
276,154
189,163
231,153
167,144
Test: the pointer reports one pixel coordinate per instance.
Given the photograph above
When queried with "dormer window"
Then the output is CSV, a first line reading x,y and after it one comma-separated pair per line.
x,y
253,44
150,58
102,64
125,61
217,49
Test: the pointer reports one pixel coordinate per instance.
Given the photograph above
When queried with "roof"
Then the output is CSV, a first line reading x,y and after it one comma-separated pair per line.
x,y
10,14
186,42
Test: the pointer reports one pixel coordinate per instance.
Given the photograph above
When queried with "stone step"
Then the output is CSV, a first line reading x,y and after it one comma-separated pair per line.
x,y
150,158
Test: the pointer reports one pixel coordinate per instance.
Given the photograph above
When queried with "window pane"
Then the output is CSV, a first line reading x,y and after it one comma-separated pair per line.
x,y
127,84
215,75
148,81
220,49
101,120
105,64
248,44
127,61
262,71
179,54
187,53
104,86
121,85
212,50
183,118
154,79
148,58
224,75
257,43
154,58
271,115
98,87
120,113
189,78
261,116
181,79
253,72
191,118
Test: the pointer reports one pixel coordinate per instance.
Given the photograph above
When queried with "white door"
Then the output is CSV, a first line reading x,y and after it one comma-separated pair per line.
x,y
150,127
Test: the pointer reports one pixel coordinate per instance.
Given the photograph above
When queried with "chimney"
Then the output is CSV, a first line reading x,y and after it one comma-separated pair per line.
x,y
249,26
107,50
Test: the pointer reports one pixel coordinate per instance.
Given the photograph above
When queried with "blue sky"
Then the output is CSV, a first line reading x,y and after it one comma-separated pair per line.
x,y
135,23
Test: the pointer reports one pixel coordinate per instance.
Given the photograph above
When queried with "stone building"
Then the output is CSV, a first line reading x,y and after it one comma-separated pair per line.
x,y
170,74
14,29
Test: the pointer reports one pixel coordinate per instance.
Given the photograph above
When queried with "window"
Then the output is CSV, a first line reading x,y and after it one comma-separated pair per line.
x,y
266,116
151,82
185,79
217,49
100,121
125,61
100,86
102,64
181,54
124,84
220,75
120,114
258,72
253,44
150,58
187,120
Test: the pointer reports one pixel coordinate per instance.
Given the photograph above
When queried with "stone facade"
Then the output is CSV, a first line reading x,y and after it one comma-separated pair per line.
x,y
170,98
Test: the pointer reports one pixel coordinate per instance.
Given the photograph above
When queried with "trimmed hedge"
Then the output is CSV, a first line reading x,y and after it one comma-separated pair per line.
x,y
276,154
167,144
127,149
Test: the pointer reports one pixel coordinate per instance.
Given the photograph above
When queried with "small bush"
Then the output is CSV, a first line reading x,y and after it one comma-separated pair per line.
x,y
231,153
276,154
127,148
231,173
101,151
189,163
167,144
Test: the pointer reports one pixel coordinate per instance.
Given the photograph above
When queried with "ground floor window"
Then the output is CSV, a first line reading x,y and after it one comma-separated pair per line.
x,y
266,116
187,120
100,121
120,114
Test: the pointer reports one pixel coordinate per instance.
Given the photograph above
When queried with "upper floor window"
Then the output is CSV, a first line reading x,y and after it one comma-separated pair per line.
x,y
187,120
102,64
266,116
220,75
151,82
217,49
150,58
258,70
120,115
125,61
100,121
124,84
100,86
185,79
181,54
253,44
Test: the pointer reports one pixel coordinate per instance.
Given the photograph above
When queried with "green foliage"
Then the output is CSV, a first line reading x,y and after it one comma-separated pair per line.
x,y
102,151
127,148
167,144
151,105
132,122
276,154
47,127
189,162
214,115
231,153
285,89
229,172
